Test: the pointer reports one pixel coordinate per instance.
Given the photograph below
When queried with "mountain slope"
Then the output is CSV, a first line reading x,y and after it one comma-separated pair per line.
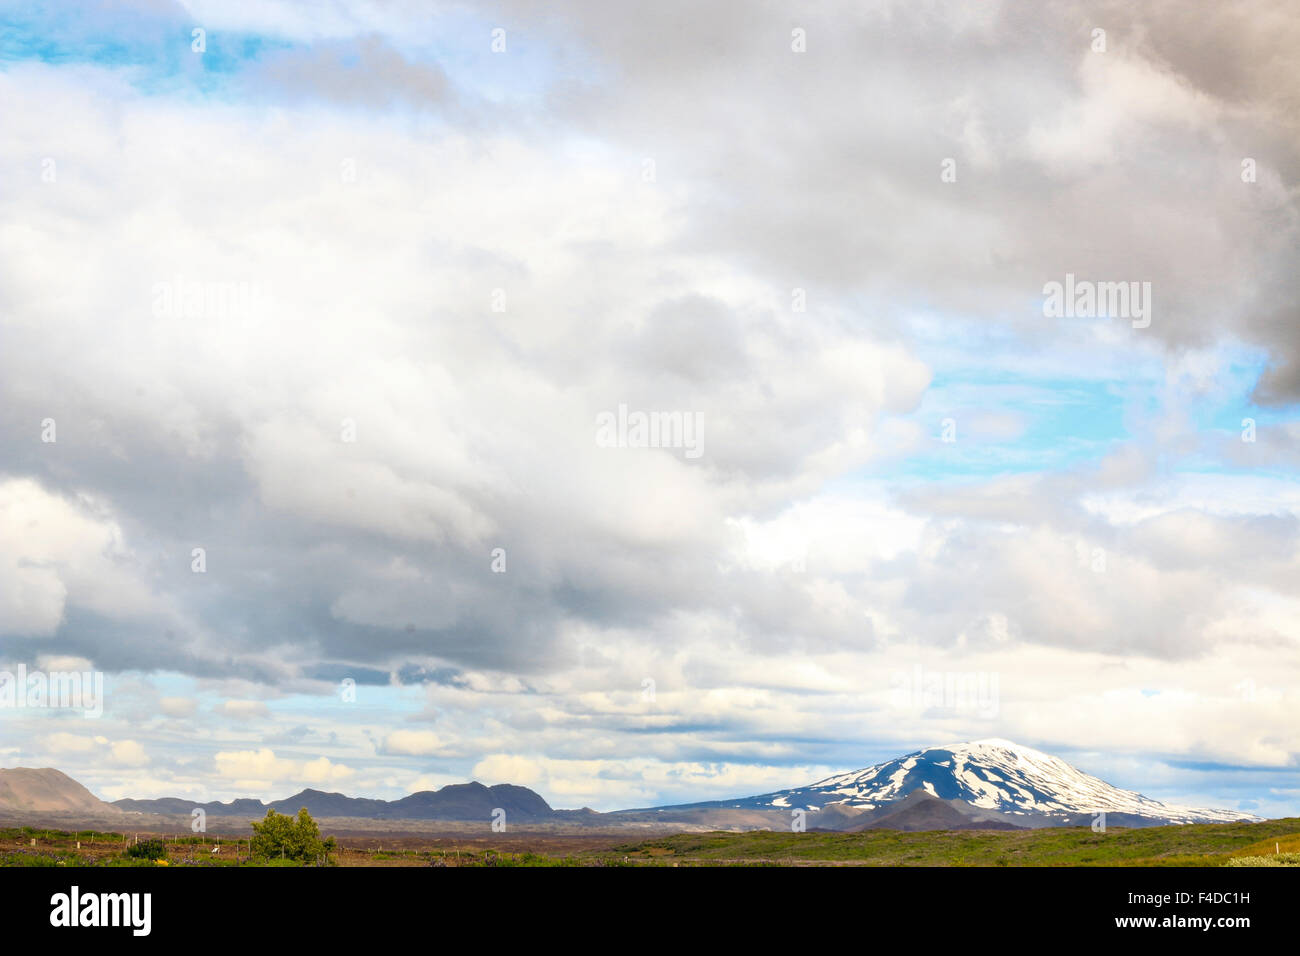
x,y
921,811
28,790
995,775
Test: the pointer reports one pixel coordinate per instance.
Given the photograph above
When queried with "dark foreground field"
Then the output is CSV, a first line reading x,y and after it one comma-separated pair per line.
x,y
1273,842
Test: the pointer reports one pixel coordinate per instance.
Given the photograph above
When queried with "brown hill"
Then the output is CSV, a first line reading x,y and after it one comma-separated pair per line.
x,y
26,790
924,811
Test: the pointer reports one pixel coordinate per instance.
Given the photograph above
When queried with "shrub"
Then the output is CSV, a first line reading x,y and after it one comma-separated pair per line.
x,y
147,850
282,837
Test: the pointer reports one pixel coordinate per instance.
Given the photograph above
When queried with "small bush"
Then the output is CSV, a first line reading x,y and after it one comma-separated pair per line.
x,y
290,839
147,850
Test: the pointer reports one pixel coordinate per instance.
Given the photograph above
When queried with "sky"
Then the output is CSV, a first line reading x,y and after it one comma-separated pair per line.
x,y
310,314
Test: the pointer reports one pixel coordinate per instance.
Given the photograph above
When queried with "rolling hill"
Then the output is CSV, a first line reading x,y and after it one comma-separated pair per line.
x,y
26,791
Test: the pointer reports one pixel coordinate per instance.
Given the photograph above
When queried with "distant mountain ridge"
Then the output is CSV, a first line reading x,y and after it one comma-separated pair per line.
x,y
458,801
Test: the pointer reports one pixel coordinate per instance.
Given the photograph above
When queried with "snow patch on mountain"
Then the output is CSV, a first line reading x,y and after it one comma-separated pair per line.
x,y
992,774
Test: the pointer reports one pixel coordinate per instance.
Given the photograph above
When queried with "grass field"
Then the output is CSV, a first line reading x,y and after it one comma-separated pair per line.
x,y
1196,845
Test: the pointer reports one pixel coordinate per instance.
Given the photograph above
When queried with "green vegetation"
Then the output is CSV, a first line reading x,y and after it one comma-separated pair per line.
x,y
281,840
528,859
96,848
147,850
1276,859
90,836
1192,845
32,859
284,838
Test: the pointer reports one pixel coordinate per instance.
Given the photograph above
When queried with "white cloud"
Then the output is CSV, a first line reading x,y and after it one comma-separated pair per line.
x,y
413,742
178,706
243,710
54,550
267,770
129,753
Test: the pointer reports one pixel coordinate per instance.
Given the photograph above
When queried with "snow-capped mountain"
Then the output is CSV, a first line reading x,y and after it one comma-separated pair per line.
x,y
992,775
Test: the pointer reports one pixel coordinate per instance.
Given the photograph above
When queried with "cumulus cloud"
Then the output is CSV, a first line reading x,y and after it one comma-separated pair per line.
x,y
56,550
379,462
413,742
263,769
121,753
129,753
